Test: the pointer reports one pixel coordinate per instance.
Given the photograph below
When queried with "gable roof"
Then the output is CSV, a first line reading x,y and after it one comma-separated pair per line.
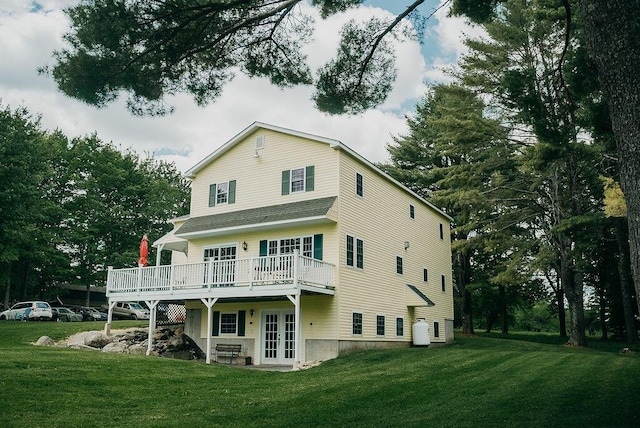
x,y
334,144
313,210
243,134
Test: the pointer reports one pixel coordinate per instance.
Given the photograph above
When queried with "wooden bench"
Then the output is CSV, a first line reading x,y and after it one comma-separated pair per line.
x,y
228,350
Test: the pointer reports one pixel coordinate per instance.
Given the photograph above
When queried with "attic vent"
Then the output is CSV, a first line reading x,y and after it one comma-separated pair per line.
x,y
260,142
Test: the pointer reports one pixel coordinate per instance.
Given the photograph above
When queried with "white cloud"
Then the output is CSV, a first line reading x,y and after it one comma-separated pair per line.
x,y
192,132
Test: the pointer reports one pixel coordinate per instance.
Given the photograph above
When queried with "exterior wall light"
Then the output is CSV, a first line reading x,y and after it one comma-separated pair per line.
x,y
245,246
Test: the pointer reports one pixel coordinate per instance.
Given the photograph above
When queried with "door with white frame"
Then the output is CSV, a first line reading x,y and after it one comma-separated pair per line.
x,y
278,337
222,271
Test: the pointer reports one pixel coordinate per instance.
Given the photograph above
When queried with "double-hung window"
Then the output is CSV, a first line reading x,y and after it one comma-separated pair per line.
x,y
228,323
222,193
355,252
380,325
298,180
359,184
399,268
399,327
356,322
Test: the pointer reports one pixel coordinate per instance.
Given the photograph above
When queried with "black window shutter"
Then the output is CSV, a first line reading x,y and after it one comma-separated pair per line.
x,y
286,181
317,246
309,177
263,248
232,192
242,316
216,323
212,195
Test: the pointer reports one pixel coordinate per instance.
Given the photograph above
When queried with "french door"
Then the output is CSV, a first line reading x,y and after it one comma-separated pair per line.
x,y
222,271
278,337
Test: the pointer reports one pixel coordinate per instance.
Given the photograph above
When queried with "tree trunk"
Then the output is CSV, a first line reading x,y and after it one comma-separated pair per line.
x,y
602,311
559,295
503,309
464,277
611,31
573,287
625,287
6,273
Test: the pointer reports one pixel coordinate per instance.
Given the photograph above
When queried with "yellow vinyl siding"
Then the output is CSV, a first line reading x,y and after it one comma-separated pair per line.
x,y
381,219
258,179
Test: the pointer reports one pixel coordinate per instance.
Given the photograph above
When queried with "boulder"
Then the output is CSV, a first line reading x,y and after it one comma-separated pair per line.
x,y
92,339
45,341
116,347
137,349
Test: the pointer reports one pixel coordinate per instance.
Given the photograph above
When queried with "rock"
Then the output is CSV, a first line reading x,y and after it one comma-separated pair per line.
x,y
45,341
169,342
96,339
176,342
93,339
137,349
115,347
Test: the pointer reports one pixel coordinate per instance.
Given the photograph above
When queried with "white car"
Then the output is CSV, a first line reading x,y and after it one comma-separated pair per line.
x,y
26,311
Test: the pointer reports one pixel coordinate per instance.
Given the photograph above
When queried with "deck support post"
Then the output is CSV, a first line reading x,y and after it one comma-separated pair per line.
x,y
209,302
107,326
295,299
152,304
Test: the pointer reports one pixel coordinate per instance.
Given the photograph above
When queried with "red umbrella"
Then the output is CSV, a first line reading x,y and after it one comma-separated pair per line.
x,y
144,252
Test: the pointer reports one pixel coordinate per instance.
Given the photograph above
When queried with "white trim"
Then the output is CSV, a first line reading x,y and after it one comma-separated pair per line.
x,y
361,334
396,265
384,333
357,173
235,333
395,326
355,252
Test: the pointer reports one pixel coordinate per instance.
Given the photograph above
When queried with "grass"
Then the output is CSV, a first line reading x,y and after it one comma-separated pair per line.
x,y
477,382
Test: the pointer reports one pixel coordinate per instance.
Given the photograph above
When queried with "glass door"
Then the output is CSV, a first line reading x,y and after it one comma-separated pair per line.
x,y
278,332
221,272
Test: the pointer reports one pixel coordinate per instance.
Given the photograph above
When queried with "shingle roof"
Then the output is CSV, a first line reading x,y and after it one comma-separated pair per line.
x,y
274,213
420,294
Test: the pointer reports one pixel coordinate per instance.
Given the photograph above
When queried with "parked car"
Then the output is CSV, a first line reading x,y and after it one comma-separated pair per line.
x,y
131,311
88,313
94,314
26,311
65,315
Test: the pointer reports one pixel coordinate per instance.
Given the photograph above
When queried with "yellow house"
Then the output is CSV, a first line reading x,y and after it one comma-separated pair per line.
x,y
298,249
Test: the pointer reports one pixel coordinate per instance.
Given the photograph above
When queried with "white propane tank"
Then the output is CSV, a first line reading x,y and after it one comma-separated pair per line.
x,y
421,333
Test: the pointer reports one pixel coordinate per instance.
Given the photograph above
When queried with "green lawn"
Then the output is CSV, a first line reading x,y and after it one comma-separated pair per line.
x,y
477,382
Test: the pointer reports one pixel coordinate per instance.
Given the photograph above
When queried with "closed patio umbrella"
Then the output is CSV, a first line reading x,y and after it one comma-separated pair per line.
x,y
144,251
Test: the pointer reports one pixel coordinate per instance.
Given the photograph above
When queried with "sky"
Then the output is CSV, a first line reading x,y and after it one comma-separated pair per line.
x,y
31,31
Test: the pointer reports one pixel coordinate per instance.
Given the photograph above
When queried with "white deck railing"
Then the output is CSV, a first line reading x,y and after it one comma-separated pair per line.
x,y
252,272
